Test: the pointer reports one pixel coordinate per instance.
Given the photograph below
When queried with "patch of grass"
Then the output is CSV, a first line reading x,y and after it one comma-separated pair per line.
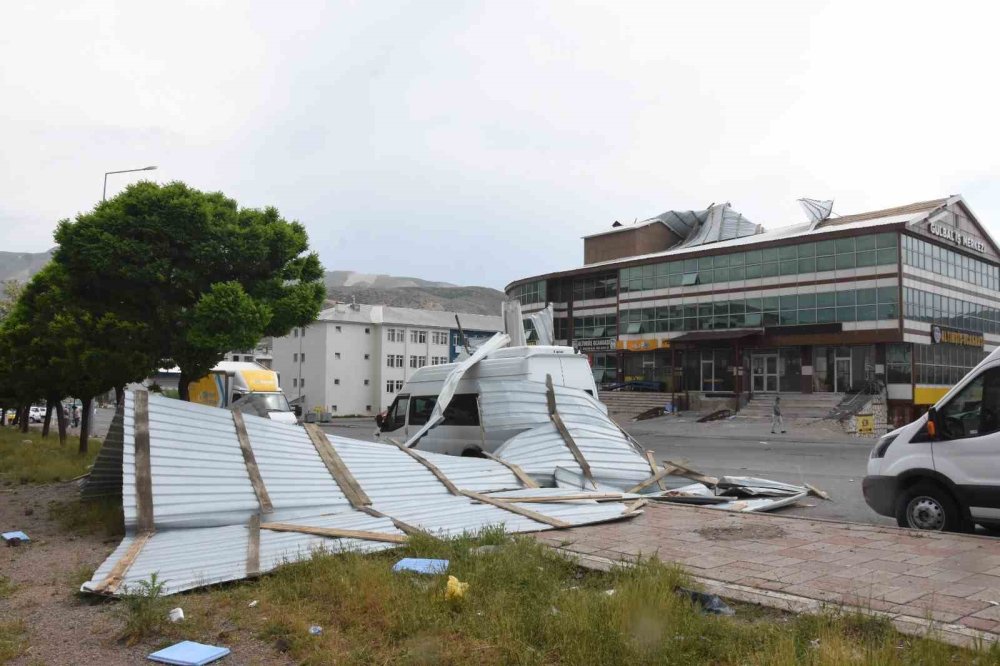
x,y
13,639
6,587
143,610
528,605
102,516
43,460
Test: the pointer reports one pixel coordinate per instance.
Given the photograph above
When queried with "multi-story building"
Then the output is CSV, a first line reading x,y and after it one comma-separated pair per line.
x,y
708,302
355,358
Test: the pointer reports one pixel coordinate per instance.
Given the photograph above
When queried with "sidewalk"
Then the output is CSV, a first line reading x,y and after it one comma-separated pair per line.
x,y
947,583
799,430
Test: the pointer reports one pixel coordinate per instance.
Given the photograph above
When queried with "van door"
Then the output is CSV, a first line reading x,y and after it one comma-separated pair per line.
x,y
968,451
459,433
395,419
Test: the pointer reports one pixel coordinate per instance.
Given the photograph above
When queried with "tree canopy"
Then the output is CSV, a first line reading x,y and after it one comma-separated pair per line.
x,y
204,274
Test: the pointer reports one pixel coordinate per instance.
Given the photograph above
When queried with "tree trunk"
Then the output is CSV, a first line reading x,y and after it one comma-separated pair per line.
x,y
182,387
48,417
25,420
119,395
85,424
3,416
60,420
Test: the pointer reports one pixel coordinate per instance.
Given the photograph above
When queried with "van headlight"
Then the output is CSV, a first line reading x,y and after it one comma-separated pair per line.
x,y
883,445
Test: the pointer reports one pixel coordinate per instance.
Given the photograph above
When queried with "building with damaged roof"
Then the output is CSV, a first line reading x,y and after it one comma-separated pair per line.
x,y
709,303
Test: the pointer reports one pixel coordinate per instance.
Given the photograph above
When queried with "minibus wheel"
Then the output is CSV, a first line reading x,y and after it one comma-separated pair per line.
x,y
928,506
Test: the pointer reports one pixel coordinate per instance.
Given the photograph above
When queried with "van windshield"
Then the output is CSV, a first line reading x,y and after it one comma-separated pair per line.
x,y
463,410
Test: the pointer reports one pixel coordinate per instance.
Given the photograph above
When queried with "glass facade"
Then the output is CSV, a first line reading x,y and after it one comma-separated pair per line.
x,y
595,326
942,261
602,286
825,307
825,255
531,292
944,363
843,369
952,312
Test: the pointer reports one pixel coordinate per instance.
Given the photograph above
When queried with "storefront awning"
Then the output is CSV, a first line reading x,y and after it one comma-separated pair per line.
x,y
728,334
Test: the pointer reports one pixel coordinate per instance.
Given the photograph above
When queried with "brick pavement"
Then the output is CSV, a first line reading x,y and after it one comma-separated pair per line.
x,y
946,583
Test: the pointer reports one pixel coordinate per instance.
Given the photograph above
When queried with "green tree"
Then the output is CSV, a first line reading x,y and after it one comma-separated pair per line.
x,y
9,292
204,274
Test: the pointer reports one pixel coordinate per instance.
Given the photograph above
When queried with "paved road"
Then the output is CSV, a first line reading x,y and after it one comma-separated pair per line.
x,y
836,467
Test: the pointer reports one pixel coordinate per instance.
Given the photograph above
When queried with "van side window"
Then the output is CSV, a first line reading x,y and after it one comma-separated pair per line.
x,y
975,410
396,417
421,407
462,411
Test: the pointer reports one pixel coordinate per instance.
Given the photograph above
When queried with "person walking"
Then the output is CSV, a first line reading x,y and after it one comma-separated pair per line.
x,y
776,420
76,416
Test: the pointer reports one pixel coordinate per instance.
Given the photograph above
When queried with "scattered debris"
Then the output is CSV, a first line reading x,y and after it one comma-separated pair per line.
x,y
14,538
483,550
710,603
421,565
741,532
813,490
252,604
717,415
189,653
455,588
176,615
315,630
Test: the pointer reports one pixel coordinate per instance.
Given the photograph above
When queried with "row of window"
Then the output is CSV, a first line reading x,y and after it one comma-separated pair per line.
x,y
595,326
944,364
416,336
952,312
396,361
826,307
393,386
531,292
827,255
601,286
942,261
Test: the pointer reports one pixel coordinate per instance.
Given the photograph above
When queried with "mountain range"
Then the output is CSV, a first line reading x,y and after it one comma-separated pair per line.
x,y
343,286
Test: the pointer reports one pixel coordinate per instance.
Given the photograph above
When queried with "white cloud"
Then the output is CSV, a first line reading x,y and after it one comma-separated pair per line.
x,y
476,143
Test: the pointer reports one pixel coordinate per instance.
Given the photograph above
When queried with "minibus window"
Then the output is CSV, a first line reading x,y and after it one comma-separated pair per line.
x,y
421,407
974,411
396,417
462,411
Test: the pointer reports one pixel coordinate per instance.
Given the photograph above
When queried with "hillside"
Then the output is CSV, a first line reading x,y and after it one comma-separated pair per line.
x,y
373,289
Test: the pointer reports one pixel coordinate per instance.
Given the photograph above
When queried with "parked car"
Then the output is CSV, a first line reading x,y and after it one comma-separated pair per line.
x,y
942,472
36,414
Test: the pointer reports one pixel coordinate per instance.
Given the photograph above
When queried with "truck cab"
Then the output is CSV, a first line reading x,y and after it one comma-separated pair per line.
x,y
246,387
942,472
463,432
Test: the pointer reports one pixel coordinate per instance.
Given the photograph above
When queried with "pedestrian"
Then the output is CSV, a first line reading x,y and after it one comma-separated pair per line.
x,y
776,420
76,416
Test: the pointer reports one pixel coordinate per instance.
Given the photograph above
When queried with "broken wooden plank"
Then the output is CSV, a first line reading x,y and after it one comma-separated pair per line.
x,y
653,468
143,473
263,499
452,488
253,545
689,473
352,490
526,480
597,497
632,507
813,490
667,470
513,508
335,532
550,396
400,525
121,567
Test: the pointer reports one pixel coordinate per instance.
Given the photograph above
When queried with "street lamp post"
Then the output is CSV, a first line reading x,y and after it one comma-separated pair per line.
x,y
104,195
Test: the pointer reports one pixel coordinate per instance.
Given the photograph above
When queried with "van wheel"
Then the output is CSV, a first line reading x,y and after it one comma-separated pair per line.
x,y
472,453
927,506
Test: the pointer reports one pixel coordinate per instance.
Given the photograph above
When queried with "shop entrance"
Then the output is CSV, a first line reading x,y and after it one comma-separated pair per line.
x,y
842,375
764,373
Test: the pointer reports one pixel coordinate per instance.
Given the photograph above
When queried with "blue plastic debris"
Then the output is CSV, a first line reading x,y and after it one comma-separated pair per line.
x,y
189,653
14,538
421,565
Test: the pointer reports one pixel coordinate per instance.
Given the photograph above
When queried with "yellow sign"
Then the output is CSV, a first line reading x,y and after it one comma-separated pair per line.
x,y
949,336
643,345
866,424
928,395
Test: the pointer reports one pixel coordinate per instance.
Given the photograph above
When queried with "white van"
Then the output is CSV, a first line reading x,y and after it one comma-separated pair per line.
x,y
942,472
462,431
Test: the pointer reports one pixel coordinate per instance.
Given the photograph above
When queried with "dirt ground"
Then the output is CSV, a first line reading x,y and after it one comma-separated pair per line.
x,y
64,628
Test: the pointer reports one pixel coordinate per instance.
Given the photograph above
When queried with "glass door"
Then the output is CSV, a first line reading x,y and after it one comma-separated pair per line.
x,y
771,373
764,373
707,374
842,375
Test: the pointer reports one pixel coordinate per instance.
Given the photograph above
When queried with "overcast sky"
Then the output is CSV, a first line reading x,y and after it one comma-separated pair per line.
x,y
475,142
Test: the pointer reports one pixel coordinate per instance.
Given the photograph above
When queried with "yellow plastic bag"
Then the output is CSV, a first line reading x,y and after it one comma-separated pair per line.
x,y
456,588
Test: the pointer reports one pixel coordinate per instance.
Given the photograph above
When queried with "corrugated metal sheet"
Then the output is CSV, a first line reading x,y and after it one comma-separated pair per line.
x,y
105,478
203,498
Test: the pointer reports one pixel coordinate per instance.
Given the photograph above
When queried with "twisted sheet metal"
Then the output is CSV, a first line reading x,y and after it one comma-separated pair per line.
x,y
203,498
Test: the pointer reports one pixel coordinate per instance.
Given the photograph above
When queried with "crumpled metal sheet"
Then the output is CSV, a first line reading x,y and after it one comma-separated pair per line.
x,y
203,498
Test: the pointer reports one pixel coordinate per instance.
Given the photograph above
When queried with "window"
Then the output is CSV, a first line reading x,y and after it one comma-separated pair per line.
x,y
421,408
333,408
394,335
418,336
367,356
366,382
975,410
390,386
439,337
302,357
295,382
337,382
338,329
463,410
336,356
399,385
236,358
394,360
418,361
295,332
295,357
532,292
368,408
302,382
367,330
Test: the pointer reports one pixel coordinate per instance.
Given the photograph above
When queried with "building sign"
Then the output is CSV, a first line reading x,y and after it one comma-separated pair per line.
x,y
957,237
594,345
866,424
643,345
950,336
